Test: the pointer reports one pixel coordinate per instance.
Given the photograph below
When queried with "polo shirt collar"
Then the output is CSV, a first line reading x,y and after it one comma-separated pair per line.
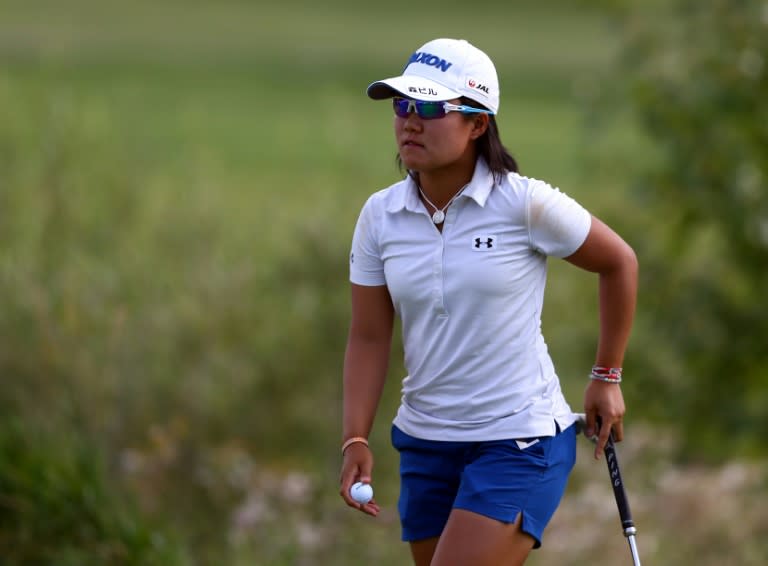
x,y
478,189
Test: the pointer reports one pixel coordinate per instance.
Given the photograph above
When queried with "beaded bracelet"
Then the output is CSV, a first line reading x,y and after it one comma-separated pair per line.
x,y
609,375
351,441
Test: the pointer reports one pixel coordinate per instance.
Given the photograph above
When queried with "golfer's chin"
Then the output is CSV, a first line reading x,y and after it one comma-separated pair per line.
x,y
413,162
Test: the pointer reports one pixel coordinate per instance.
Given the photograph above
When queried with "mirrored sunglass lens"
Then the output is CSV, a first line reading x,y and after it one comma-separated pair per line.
x,y
430,110
401,107
425,110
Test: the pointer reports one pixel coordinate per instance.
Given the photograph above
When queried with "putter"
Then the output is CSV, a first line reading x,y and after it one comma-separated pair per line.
x,y
627,524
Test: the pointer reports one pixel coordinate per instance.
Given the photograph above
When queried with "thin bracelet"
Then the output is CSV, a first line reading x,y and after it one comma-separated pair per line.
x,y
351,441
604,378
606,374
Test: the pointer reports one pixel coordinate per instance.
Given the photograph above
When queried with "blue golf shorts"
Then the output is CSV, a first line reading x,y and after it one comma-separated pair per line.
x,y
498,479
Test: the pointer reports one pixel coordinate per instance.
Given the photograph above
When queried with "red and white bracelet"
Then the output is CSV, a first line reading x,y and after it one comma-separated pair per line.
x,y
609,375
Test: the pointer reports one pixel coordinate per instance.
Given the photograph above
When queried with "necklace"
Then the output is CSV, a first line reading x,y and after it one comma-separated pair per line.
x,y
439,215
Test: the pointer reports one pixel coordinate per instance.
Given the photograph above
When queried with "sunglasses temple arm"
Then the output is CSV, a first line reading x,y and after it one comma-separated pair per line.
x,y
471,110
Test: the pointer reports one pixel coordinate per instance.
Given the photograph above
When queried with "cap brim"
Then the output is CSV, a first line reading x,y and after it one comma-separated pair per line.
x,y
414,87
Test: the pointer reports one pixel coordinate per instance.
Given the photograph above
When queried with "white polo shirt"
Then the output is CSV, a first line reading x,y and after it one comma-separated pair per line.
x,y
470,301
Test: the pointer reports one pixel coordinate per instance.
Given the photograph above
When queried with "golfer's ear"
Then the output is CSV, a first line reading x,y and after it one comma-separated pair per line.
x,y
480,123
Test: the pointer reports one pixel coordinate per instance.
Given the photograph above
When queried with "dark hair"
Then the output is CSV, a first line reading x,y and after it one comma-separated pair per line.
x,y
489,147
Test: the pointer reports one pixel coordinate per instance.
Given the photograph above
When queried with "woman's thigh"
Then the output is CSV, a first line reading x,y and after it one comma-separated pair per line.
x,y
422,551
473,539
470,538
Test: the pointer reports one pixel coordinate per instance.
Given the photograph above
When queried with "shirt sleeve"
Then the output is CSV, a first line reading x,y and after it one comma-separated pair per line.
x,y
557,224
365,264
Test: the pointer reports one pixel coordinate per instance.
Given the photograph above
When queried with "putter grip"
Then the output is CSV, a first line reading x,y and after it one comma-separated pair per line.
x,y
611,459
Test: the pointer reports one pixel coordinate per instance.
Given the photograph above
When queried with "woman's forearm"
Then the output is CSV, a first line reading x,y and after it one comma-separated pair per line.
x,y
605,253
617,301
365,370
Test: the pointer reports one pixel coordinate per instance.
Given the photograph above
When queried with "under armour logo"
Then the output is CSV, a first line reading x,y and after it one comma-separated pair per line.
x,y
484,243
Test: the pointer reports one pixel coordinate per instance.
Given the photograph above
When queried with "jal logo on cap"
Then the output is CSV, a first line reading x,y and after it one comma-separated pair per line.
x,y
429,59
475,85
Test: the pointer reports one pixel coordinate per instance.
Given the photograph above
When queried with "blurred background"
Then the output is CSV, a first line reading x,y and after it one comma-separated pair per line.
x,y
179,181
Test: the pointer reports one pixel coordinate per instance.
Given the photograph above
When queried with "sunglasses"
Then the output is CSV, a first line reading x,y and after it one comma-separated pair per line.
x,y
431,110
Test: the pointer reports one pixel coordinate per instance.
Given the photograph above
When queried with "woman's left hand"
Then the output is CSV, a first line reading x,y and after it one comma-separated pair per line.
x,y
606,401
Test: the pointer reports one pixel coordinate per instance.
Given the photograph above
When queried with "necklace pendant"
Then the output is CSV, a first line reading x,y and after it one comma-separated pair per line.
x,y
438,216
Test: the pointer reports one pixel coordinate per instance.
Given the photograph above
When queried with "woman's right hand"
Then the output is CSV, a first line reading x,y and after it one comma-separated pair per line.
x,y
357,467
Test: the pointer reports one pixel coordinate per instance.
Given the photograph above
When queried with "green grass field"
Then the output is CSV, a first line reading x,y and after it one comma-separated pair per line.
x,y
178,185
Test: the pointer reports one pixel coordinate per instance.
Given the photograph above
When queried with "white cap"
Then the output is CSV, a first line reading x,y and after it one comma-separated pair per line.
x,y
443,69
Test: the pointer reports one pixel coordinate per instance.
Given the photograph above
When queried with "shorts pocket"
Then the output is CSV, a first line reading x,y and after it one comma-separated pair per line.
x,y
538,447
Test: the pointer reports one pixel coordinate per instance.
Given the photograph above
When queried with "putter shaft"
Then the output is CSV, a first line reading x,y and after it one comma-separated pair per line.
x,y
633,550
625,514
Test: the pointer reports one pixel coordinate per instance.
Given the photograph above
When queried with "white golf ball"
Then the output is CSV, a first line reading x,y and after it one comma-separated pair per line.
x,y
361,492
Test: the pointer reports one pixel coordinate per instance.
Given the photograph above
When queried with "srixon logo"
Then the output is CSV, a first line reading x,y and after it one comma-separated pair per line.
x,y
429,59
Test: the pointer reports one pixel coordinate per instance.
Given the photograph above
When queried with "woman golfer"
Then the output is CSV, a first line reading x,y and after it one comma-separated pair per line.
x,y
458,251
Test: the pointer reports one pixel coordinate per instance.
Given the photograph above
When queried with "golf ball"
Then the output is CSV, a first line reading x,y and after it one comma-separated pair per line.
x,y
361,492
